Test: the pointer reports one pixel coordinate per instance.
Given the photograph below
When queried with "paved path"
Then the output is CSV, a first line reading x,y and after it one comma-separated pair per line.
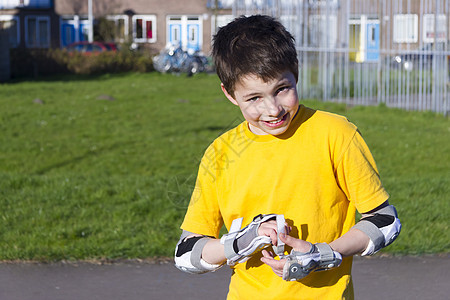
x,y
374,278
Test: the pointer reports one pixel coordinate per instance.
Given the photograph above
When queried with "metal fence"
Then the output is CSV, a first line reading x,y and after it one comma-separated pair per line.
x,y
367,52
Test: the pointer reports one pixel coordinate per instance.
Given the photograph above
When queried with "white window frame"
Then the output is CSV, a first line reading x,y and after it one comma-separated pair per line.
x,y
429,25
145,18
38,19
116,19
6,18
37,3
10,4
222,20
406,28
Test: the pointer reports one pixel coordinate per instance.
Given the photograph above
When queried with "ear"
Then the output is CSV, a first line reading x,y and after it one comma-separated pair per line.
x,y
232,100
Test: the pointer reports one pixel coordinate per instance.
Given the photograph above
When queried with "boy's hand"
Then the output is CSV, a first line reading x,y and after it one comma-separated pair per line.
x,y
278,265
241,243
269,229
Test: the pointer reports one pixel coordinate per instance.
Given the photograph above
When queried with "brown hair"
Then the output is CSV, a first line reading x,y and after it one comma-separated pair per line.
x,y
257,45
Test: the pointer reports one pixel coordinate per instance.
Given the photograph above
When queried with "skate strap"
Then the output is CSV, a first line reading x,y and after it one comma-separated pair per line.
x,y
281,228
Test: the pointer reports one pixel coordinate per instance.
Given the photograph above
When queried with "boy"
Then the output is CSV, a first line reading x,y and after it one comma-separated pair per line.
x,y
284,162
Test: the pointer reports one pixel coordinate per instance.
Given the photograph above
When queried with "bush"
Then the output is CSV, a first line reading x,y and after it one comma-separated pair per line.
x,y
37,62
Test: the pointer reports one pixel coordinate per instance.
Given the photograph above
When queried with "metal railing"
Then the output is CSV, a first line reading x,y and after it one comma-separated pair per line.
x,y
367,52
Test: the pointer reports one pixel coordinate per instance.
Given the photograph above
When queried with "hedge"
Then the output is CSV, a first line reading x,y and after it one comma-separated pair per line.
x,y
37,62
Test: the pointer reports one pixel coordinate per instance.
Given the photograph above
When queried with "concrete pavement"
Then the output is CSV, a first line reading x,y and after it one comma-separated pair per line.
x,y
425,277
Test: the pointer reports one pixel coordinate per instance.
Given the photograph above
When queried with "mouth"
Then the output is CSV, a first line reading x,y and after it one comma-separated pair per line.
x,y
277,122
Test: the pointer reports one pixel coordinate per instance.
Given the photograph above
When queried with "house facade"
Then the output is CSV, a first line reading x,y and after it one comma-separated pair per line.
x,y
146,23
29,23
365,26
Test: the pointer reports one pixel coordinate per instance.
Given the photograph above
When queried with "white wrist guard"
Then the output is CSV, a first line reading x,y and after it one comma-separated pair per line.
x,y
188,254
240,244
381,226
319,258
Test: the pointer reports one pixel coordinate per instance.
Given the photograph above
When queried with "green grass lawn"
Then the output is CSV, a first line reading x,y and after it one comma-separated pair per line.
x,y
86,178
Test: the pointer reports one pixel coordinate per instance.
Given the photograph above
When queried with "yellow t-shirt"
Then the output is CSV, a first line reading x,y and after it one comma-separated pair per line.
x,y
316,174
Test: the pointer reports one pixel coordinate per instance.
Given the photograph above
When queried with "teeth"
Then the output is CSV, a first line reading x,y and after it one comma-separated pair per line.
x,y
273,122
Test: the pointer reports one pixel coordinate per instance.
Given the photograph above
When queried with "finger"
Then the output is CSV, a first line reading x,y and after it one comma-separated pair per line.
x,y
296,244
288,240
274,237
276,265
267,254
270,261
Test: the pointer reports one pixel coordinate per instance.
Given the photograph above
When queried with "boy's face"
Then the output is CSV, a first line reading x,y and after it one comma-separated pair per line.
x,y
268,107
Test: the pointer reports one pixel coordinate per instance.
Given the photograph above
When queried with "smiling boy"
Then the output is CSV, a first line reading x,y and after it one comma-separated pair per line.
x,y
285,161
266,117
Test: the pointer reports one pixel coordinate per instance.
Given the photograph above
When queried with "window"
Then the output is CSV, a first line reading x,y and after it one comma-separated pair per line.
x,y
11,24
193,34
406,28
84,30
121,27
429,26
221,4
323,30
68,35
144,29
37,31
220,21
10,4
36,3
372,35
175,34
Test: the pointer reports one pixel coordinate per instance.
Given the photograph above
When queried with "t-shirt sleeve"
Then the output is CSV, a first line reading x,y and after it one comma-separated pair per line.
x,y
358,176
203,214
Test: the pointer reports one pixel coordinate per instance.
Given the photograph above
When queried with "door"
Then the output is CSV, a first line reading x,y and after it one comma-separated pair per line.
x,y
74,30
185,31
373,41
83,31
175,33
67,34
192,30
355,53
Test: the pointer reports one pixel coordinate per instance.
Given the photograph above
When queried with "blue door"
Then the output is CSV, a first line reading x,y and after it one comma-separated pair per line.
x,y
67,34
175,34
193,37
83,31
373,41
73,30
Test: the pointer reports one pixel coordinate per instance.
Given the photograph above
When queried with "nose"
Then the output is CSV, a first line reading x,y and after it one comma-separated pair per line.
x,y
272,108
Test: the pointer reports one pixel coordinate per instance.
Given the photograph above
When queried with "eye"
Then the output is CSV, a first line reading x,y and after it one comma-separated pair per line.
x,y
282,89
253,99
